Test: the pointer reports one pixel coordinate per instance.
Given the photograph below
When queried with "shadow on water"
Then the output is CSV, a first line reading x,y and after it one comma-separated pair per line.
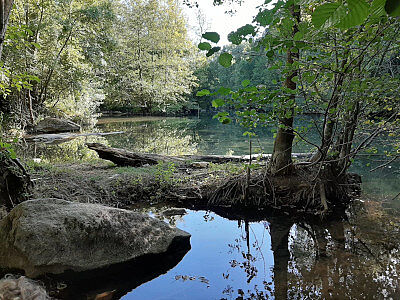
x,y
116,280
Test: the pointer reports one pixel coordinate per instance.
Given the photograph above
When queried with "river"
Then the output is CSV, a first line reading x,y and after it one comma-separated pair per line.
x,y
347,258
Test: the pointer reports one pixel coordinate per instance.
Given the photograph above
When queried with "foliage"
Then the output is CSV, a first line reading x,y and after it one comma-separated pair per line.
x,y
149,67
65,58
339,59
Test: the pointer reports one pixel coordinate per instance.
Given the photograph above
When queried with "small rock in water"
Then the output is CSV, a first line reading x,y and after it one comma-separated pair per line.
x,y
174,212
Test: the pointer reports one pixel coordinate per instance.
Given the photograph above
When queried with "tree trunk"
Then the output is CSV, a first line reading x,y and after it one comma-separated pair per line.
x,y
5,10
281,162
15,182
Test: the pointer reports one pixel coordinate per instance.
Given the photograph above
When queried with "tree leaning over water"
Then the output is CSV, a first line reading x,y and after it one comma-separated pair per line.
x,y
343,66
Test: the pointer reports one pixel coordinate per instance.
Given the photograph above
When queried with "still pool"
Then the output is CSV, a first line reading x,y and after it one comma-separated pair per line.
x,y
355,256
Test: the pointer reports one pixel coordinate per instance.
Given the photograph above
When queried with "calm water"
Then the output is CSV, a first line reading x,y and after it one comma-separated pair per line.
x,y
277,259
272,258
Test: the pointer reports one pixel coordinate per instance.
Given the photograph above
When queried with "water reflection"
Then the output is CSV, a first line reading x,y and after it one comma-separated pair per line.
x,y
281,259
175,136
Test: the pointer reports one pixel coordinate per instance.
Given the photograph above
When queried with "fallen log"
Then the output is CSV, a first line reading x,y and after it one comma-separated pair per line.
x,y
127,158
123,157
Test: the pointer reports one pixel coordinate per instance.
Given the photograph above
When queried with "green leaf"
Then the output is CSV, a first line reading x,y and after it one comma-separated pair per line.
x,y
224,91
236,37
212,51
211,36
326,14
204,46
203,93
218,103
392,7
298,36
377,8
36,45
245,83
225,59
225,120
357,13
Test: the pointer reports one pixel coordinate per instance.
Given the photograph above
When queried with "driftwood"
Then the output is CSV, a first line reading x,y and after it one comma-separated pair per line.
x,y
127,158
123,157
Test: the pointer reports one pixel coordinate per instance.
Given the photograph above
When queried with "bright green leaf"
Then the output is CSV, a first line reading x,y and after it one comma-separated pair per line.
x,y
245,82
298,36
218,103
203,93
377,8
325,13
357,13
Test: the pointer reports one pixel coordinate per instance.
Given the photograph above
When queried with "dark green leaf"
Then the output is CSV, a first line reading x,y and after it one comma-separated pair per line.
x,y
224,91
212,51
212,36
204,46
236,37
225,120
392,7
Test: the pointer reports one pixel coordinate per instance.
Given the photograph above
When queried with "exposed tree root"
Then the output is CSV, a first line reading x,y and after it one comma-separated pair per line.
x,y
302,191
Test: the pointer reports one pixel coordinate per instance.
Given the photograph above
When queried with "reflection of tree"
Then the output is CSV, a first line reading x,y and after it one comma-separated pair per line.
x,y
67,151
279,242
169,137
335,259
344,267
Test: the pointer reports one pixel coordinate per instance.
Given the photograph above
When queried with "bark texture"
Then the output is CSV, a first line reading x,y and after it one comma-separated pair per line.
x,y
15,182
281,162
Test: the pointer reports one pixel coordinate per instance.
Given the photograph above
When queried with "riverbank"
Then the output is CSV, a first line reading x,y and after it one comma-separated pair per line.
x,y
366,227
194,185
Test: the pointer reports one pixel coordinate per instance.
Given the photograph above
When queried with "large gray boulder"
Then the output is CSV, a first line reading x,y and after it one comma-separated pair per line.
x,y
52,236
54,125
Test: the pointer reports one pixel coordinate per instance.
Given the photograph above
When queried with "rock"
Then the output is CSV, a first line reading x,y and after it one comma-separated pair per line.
x,y
53,125
174,212
52,236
